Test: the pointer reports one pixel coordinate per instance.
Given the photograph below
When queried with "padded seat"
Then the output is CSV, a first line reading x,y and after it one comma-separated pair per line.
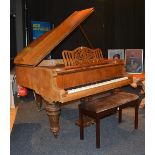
x,y
104,106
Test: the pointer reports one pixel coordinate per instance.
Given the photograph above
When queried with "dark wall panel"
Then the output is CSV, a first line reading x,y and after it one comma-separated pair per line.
x,y
129,24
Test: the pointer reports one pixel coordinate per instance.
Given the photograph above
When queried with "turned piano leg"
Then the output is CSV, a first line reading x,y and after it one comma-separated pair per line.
x,y
53,112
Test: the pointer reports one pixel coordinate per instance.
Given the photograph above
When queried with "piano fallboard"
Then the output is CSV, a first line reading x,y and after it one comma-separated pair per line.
x,y
76,77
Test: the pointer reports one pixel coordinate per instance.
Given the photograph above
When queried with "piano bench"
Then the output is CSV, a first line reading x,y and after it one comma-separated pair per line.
x,y
105,106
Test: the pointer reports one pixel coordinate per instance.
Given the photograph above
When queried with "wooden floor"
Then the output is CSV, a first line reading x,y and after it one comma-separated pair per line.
x,y
13,112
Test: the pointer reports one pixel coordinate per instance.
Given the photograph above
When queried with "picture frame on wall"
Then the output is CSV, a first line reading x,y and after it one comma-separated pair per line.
x,y
134,60
116,54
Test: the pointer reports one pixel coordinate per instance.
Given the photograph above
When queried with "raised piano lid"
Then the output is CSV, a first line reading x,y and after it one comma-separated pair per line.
x,y
37,50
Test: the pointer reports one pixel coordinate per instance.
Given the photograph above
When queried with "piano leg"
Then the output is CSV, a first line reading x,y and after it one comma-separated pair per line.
x,y
38,101
53,112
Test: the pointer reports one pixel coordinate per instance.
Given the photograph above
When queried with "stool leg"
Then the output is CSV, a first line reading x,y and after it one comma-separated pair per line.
x,y
97,133
81,125
136,116
120,115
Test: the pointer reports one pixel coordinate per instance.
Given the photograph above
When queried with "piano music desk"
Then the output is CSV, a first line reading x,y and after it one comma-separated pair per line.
x,y
105,106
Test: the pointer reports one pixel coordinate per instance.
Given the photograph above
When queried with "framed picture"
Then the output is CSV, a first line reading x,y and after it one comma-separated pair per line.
x,y
134,60
116,53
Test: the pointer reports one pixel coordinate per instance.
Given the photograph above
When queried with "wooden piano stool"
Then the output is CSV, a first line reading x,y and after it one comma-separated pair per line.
x,y
102,107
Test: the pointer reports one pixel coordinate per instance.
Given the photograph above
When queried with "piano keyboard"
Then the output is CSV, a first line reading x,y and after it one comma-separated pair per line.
x,y
96,85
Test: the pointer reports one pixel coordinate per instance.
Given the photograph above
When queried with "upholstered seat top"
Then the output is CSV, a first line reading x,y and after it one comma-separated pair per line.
x,y
109,102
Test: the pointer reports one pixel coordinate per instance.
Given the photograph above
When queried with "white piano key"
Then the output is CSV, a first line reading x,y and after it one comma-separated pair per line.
x,y
96,85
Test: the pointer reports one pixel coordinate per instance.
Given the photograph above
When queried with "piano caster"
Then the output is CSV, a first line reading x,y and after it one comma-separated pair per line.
x,y
53,112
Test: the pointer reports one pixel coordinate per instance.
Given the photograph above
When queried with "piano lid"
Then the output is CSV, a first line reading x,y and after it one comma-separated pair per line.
x,y
37,50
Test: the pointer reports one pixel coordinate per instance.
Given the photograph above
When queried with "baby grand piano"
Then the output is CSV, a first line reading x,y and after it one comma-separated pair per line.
x,y
84,73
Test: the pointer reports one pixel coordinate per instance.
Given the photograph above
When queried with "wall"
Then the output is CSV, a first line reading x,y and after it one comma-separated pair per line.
x,y
129,24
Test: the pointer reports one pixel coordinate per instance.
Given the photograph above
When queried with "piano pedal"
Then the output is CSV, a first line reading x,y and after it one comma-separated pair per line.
x,y
87,121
